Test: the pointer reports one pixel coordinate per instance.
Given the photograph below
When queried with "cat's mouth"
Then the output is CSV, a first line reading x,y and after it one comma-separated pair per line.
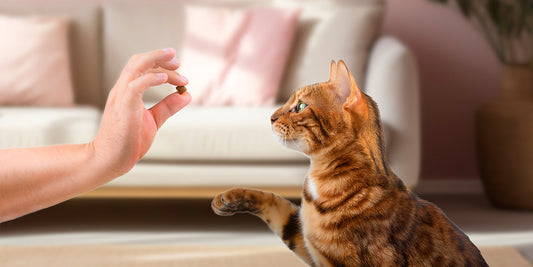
x,y
281,136
287,141
286,135
282,132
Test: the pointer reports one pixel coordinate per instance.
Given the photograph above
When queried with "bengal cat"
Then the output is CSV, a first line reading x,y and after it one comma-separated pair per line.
x,y
355,211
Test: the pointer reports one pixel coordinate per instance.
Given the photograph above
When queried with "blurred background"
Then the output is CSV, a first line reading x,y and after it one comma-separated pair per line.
x,y
432,66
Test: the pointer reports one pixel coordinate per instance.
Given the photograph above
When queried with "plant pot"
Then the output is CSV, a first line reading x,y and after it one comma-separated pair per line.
x,y
504,131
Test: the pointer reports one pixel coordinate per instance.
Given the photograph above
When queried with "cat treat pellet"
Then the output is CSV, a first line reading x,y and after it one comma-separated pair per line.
x,y
181,89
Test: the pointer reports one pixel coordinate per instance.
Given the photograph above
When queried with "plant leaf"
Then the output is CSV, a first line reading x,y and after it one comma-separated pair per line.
x,y
465,6
493,7
527,20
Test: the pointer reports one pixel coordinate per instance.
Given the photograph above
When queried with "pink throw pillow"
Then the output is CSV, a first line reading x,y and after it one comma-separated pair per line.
x,y
236,56
34,62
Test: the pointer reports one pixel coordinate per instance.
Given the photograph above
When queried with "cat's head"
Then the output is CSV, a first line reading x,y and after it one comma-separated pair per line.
x,y
320,116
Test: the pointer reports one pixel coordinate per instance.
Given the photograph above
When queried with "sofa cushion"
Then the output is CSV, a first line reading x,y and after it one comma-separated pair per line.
x,y
208,174
220,134
327,30
84,41
30,127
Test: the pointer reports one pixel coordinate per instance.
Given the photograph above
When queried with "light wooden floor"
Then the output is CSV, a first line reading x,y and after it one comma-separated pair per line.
x,y
191,222
178,192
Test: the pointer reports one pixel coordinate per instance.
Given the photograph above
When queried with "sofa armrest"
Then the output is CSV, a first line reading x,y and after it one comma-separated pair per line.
x,y
392,81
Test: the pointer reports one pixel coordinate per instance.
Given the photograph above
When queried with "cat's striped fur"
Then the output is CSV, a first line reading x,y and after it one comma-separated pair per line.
x,y
355,211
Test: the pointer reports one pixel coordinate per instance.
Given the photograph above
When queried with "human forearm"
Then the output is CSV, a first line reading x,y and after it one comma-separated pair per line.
x,y
36,178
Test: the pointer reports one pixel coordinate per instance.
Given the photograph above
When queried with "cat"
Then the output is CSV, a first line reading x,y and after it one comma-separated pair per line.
x,y
355,211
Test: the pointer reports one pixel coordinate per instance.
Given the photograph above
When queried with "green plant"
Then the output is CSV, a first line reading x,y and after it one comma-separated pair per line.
x,y
507,24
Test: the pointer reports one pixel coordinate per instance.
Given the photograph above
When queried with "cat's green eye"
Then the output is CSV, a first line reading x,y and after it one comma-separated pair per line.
x,y
300,107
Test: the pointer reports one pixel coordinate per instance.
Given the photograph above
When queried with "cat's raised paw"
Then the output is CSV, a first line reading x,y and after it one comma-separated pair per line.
x,y
236,200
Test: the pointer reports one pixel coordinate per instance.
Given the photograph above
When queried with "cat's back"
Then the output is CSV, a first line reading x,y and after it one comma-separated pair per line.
x,y
437,241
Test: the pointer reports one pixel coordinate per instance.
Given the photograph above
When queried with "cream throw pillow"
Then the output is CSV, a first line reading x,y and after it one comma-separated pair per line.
x,y
34,61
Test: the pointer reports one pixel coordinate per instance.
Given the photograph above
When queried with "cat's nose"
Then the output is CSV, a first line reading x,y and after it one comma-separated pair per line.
x,y
273,119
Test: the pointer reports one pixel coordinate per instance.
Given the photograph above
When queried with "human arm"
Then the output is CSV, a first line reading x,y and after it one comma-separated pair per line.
x,y
36,178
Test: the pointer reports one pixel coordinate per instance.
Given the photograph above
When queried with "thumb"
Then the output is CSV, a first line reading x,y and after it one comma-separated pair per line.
x,y
169,106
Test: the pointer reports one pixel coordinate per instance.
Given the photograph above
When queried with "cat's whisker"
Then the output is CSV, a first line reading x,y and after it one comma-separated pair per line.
x,y
296,145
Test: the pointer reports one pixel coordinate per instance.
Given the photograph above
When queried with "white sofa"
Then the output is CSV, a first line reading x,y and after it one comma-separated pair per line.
x,y
202,150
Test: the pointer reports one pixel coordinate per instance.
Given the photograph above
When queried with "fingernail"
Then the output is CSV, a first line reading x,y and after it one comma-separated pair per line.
x,y
174,61
168,50
184,79
162,75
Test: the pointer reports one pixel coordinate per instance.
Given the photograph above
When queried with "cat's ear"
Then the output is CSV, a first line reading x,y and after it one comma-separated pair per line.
x,y
345,83
332,71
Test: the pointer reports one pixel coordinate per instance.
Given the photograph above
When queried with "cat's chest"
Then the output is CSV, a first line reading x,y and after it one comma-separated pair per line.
x,y
311,217
311,188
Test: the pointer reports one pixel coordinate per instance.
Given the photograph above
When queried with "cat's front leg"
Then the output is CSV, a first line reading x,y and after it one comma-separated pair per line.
x,y
281,215
238,200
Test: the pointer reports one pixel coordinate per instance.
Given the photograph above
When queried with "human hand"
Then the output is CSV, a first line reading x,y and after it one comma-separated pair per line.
x,y
128,128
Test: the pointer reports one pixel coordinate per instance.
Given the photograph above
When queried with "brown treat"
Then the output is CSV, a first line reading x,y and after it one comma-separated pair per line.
x,y
181,89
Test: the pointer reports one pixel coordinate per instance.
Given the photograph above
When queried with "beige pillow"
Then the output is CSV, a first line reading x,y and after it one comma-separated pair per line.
x,y
331,30
34,62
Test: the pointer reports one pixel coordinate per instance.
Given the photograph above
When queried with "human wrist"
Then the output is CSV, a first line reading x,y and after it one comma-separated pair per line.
x,y
106,162
98,165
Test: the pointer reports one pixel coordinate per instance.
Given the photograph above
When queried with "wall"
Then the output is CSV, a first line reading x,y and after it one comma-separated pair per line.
x,y
458,72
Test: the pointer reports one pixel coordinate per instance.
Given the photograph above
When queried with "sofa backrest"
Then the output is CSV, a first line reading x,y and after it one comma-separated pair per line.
x,y
328,30
104,34
84,42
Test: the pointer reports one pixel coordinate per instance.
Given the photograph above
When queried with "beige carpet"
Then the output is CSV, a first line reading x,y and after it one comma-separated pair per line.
x,y
133,255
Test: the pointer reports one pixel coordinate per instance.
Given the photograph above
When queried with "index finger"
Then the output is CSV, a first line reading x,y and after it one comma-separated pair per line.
x,y
141,63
